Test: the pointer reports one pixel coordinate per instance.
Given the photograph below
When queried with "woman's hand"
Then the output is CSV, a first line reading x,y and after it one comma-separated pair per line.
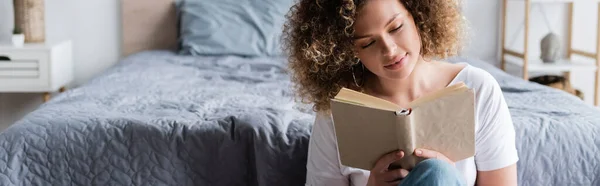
x,y
380,175
428,154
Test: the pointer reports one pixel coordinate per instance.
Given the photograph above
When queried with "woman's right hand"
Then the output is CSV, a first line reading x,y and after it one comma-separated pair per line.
x,y
380,175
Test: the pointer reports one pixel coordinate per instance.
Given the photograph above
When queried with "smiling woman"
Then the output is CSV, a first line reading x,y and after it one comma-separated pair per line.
x,y
320,39
388,49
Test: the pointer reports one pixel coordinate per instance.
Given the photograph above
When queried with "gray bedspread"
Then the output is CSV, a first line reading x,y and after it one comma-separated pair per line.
x,y
160,119
557,135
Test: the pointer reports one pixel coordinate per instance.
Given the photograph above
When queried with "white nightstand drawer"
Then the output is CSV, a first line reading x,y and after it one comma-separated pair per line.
x,y
22,70
12,65
19,69
19,74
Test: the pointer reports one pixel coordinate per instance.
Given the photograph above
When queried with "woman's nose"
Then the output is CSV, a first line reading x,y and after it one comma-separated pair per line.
x,y
389,47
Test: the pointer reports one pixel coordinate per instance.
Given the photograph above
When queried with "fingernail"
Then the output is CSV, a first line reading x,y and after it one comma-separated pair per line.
x,y
419,152
399,153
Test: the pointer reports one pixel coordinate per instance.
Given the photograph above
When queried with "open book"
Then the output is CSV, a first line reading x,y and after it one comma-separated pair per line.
x,y
367,127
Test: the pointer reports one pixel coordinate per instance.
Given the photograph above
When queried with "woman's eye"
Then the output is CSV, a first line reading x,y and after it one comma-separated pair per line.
x,y
367,45
397,28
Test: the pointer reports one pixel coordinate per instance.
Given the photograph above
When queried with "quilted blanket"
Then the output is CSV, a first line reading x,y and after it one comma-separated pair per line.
x,y
157,118
556,133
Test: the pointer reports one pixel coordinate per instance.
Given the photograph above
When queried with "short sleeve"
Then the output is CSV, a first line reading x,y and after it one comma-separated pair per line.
x,y
495,136
323,164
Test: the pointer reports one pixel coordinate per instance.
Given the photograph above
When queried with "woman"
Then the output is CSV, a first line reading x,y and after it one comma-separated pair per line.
x,y
387,49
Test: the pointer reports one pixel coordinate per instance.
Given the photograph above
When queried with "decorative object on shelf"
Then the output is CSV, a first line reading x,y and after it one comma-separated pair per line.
x,y
550,47
29,16
558,82
18,38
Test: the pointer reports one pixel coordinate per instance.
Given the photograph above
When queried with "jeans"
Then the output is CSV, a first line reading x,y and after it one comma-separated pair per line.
x,y
433,172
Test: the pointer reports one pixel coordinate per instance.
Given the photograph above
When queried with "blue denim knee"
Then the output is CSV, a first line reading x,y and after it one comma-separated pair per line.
x,y
433,172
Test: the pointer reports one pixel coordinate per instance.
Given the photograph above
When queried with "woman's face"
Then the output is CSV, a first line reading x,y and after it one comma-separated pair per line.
x,y
386,39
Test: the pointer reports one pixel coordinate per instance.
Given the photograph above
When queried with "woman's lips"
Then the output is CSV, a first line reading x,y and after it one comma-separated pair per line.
x,y
398,64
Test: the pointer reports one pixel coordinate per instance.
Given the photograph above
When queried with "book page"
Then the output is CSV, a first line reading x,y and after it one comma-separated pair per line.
x,y
363,134
458,87
447,125
348,95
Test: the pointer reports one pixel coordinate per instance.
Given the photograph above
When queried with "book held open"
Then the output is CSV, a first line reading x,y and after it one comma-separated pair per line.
x,y
367,127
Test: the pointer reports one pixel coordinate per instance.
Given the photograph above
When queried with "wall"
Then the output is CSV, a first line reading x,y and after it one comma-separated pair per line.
x,y
585,38
482,17
6,20
93,26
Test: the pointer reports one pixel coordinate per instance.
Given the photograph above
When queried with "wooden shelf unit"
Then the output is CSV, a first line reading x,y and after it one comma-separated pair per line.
x,y
565,65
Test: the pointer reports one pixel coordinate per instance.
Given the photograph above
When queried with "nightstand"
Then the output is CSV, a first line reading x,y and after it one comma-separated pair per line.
x,y
36,68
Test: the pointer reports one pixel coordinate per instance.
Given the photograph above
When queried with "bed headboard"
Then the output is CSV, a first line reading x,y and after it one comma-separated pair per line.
x,y
148,24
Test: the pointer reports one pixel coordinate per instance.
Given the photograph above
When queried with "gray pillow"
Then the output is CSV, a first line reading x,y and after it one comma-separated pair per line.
x,y
232,27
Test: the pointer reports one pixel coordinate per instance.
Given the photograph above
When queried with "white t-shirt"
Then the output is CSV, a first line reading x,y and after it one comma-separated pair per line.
x,y
494,138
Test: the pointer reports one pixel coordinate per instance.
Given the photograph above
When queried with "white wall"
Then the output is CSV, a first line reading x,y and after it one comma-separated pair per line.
x,y
482,17
93,26
6,21
585,37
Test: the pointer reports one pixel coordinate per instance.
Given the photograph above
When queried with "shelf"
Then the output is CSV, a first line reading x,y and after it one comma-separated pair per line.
x,y
558,1
536,65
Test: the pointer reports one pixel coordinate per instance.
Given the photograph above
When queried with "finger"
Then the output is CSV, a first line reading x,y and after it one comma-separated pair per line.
x,y
384,162
394,175
424,153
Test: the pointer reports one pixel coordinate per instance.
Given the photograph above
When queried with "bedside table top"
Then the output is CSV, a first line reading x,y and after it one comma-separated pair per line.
x,y
33,46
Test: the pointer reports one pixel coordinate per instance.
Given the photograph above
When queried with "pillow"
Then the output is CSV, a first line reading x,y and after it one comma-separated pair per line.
x,y
232,27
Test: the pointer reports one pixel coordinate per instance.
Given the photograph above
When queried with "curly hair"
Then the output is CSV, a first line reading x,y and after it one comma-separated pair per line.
x,y
318,40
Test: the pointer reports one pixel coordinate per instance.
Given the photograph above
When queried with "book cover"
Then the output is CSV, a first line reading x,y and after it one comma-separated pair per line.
x,y
368,127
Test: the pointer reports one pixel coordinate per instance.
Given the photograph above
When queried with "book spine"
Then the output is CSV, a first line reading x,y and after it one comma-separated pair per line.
x,y
413,140
406,143
403,112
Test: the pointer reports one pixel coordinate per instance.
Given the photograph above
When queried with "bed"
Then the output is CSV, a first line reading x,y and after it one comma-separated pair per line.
x,y
556,133
162,118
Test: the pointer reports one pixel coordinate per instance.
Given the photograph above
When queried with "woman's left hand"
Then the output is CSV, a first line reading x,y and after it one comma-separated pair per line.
x,y
428,154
